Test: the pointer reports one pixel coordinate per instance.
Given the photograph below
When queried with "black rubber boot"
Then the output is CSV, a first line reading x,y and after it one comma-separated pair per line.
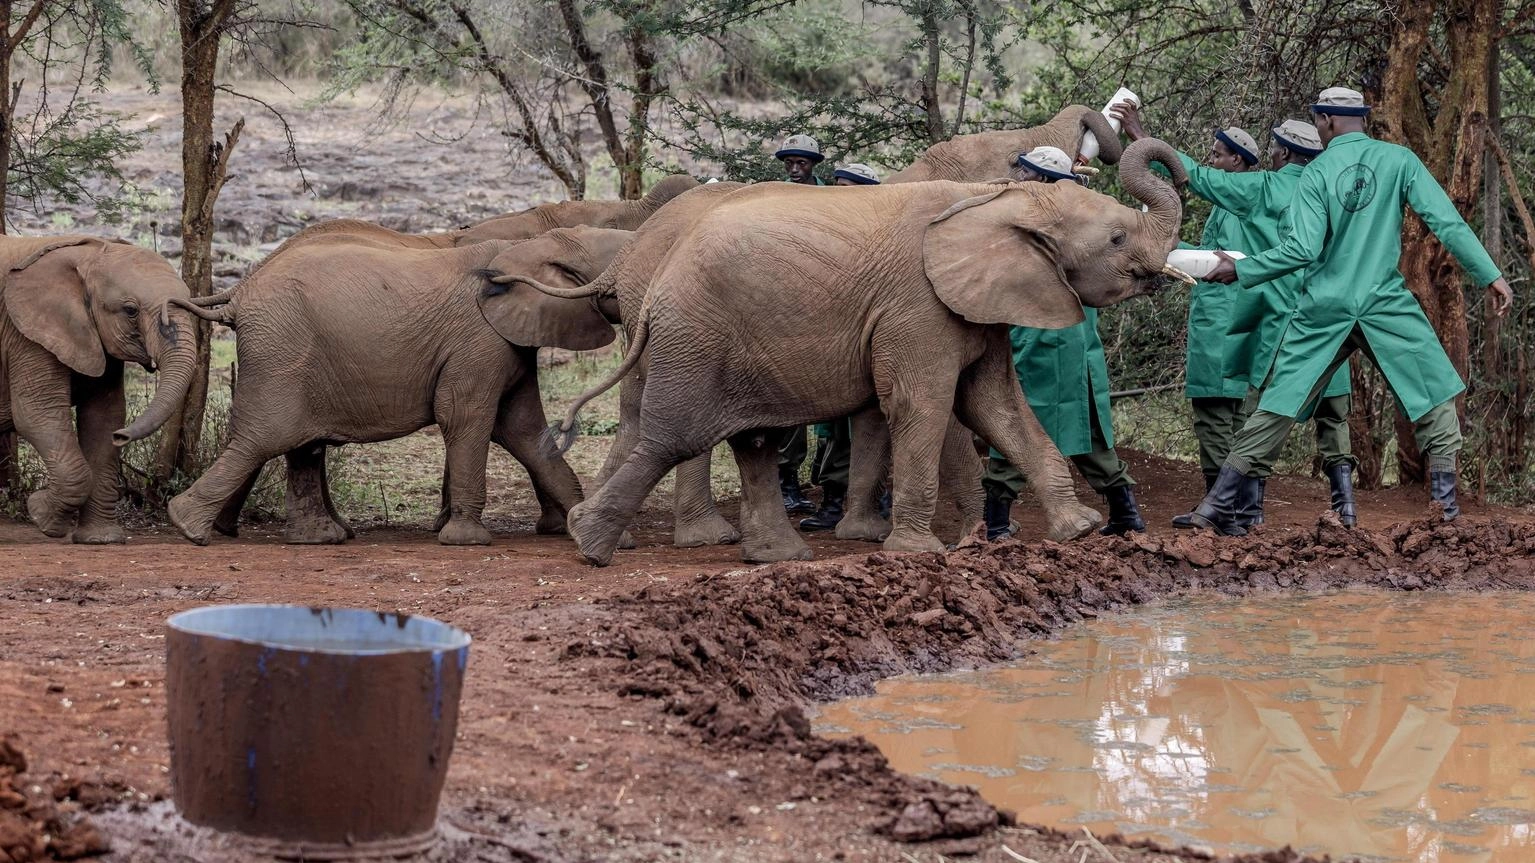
x,y
1249,511
1441,486
1183,520
794,500
826,518
1342,478
1218,511
1124,515
999,523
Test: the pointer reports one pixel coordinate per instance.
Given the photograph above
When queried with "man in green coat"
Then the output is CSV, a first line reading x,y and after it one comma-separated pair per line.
x,y
1234,350
1065,378
1344,229
799,155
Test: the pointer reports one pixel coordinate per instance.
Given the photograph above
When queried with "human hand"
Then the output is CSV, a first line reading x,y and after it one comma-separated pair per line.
x,y
1502,296
1225,272
1129,116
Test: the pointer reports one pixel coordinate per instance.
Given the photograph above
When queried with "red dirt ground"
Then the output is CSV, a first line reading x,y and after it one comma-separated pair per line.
x,y
650,710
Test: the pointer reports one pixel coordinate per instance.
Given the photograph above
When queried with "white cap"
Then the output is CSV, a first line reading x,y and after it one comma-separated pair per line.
x,y
858,173
800,145
1049,161
1299,136
1341,101
1240,143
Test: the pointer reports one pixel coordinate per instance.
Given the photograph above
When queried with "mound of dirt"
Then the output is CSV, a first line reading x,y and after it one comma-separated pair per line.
x,y
41,819
737,654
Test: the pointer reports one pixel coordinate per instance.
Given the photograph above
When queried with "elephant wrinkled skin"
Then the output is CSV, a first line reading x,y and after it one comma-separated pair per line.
x,y
903,293
360,342
73,310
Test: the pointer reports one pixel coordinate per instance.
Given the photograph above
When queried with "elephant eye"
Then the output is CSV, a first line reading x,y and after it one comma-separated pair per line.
x,y
130,310
1118,238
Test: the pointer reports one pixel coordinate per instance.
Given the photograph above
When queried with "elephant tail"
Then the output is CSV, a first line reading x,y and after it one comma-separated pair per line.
x,y
583,292
561,436
224,314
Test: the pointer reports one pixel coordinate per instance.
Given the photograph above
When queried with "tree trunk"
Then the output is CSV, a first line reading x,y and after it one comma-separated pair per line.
x,y
647,86
1361,431
201,161
930,39
8,473
1452,144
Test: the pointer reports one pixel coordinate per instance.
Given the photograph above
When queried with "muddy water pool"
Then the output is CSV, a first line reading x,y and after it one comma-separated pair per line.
x,y
1377,726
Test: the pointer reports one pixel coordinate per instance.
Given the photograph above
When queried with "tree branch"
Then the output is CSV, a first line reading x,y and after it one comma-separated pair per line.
x,y
16,38
219,174
287,131
597,86
1512,185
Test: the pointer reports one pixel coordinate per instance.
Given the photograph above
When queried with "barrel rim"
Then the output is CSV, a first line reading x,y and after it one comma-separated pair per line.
x,y
452,638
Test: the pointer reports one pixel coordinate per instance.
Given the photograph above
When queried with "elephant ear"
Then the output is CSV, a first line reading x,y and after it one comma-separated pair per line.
x,y
46,299
524,315
990,266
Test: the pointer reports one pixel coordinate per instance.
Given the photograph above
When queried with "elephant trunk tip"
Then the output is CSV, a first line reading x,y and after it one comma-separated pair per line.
x,y
122,437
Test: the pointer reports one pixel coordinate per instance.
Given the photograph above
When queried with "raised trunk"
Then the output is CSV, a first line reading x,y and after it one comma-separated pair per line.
x,y
177,361
1110,147
1164,207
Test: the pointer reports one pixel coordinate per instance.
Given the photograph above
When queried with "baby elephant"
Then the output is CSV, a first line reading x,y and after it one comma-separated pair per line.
x,y
73,310
352,342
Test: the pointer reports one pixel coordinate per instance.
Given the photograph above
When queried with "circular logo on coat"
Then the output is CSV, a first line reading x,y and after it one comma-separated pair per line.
x,y
1356,187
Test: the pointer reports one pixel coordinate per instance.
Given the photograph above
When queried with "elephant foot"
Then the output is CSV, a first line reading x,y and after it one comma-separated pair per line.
x,y
712,529
775,550
905,539
1072,520
863,528
177,512
99,533
314,531
595,536
48,518
551,522
463,530
444,515
227,527
626,540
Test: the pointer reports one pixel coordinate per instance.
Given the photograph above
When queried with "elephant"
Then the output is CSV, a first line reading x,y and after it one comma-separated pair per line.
x,y
366,341
696,519
984,155
307,486
904,293
73,310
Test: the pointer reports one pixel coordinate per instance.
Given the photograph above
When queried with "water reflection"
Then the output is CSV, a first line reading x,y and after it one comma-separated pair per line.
x,y
1387,727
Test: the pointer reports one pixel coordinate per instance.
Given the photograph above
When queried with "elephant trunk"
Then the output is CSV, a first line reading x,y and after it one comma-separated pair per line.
x,y
1164,206
1110,148
175,356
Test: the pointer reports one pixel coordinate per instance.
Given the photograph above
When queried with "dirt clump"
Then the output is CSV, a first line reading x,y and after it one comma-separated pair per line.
x,y
42,819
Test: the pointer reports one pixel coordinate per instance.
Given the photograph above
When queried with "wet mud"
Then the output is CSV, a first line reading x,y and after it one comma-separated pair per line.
x,y
737,655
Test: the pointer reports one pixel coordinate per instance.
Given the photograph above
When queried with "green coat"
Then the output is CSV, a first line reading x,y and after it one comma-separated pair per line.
x,y
1344,229
1249,211
1065,377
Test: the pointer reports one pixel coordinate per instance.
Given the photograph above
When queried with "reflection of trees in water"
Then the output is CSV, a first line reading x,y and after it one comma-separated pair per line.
x,y
1337,737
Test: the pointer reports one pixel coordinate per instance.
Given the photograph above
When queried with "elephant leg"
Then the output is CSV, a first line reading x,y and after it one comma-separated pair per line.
x,y
990,402
194,510
767,534
597,523
866,472
330,505
309,521
467,419
519,425
918,412
102,410
630,391
40,409
228,520
445,508
696,521
959,475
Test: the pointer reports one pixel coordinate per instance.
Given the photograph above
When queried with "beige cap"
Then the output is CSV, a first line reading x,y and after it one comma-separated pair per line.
x,y
800,145
1050,161
1341,101
1299,136
1240,143
858,173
